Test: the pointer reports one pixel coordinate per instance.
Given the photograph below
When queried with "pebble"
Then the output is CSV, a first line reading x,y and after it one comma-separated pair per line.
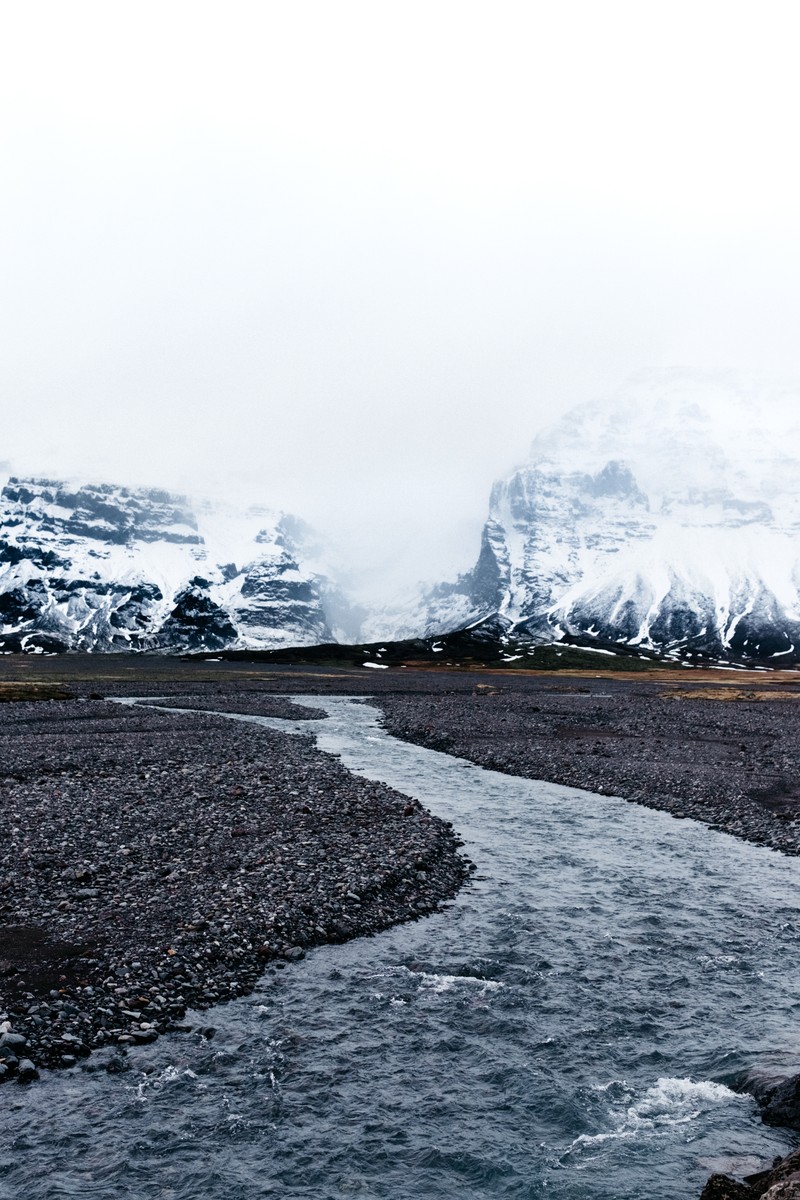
x,y
153,862
731,764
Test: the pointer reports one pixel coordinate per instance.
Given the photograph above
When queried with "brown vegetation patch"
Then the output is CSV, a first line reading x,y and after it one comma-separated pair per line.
x,y
22,690
728,692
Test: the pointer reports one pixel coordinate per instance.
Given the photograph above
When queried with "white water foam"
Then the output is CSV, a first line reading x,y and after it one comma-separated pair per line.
x,y
156,1083
439,983
668,1103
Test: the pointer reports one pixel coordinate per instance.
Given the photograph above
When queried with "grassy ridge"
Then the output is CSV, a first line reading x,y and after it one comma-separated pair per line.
x,y
463,650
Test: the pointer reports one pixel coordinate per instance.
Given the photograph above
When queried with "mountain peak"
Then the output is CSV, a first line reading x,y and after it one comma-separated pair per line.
x,y
665,517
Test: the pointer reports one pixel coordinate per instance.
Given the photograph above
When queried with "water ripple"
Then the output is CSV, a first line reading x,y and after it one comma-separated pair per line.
x,y
565,1029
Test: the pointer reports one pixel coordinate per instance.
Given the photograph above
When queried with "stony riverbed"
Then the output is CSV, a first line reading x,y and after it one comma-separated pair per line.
x,y
151,862
731,763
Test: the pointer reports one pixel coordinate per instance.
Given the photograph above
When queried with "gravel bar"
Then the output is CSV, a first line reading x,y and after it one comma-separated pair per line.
x,y
731,761
153,862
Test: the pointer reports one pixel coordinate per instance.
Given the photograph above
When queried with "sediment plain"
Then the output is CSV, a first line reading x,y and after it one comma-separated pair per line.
x,y
724,754
153,863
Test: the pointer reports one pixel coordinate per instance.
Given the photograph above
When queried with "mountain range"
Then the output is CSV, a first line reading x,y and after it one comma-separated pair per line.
x,y
664,519
106,568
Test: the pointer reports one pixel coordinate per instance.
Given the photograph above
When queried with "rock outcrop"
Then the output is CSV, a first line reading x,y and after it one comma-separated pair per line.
x,y
781,1182
666,519
777,1095
106,568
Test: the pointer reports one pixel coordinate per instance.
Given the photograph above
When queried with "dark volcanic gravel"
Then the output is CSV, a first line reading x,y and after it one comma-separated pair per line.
x,y
251,703
151,862
730,763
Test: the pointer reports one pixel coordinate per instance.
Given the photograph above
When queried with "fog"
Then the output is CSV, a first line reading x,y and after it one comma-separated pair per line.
x,y
347,259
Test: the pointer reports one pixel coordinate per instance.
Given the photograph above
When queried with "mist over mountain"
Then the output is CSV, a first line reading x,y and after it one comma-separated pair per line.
x,y
665,518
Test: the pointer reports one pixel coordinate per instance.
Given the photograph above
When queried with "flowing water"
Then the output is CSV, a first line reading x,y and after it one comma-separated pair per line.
x,y
563,1029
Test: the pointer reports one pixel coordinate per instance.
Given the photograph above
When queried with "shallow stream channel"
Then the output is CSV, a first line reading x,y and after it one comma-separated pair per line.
x,y
563,1029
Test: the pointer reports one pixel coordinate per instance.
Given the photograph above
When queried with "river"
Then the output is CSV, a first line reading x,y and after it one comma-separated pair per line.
x,y
563,1029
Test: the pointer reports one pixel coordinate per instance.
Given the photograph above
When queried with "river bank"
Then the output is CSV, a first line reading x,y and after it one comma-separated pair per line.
x,y
152,862
726,756
718,746
583,1011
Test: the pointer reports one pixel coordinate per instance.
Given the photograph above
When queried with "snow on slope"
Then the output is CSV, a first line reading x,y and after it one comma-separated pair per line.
x,y
666,517
100,567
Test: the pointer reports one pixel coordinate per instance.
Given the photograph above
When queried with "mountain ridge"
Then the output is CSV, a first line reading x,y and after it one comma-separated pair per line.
x,y
662,520
103,567
666,519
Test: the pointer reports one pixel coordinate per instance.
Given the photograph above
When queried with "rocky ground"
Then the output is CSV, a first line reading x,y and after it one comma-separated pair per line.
x,y
780,1182
153,862
249,703
729,759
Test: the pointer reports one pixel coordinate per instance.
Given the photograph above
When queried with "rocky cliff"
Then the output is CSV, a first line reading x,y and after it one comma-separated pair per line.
x,y
666,519
100,567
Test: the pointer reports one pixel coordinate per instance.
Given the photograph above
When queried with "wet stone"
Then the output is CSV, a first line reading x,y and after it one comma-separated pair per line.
x,y
727,761
156,861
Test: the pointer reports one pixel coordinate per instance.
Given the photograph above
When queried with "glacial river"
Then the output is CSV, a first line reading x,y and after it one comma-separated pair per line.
x,y
561,1030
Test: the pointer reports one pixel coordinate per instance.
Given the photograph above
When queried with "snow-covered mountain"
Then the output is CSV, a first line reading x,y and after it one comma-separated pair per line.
x,y
100,567
666,518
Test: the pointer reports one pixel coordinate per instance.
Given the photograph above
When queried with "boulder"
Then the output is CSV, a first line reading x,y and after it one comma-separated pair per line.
x,y
781,1182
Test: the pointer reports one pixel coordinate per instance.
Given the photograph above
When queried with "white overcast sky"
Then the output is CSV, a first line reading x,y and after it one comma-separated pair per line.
x,y
348,258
